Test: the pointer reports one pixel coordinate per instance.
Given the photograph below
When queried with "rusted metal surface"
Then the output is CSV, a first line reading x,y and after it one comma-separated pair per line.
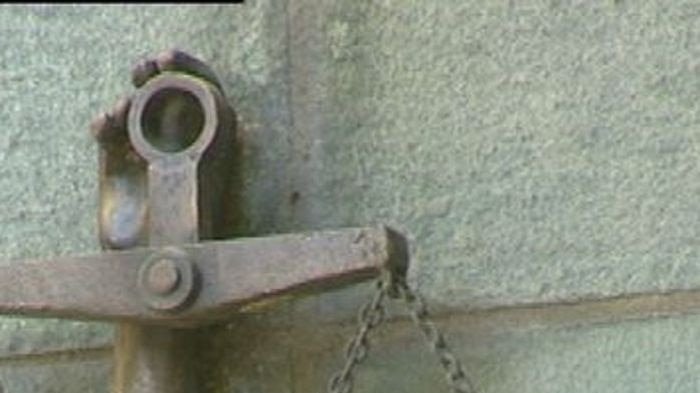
x,y
178,112
154,359
167,280
232,274
173,121
165,157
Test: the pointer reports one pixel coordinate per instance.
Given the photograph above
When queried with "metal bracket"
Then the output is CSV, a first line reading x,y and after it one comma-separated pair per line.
x,y
165,156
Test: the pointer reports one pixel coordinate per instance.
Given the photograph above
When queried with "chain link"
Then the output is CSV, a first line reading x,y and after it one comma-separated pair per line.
x,y
456,377
372,315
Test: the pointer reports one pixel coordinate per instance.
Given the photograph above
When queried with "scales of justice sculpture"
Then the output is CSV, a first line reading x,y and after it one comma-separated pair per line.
x,y
166,154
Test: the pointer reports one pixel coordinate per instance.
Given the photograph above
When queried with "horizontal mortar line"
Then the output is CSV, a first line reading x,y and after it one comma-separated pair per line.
x,y
546,315
461,322
577,312
565,313
77,353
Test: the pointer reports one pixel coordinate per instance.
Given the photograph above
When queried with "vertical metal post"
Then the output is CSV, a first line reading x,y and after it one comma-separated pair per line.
x,y
155,359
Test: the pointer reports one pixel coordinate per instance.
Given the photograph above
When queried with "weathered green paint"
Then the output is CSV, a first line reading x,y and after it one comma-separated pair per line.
x,y
533,151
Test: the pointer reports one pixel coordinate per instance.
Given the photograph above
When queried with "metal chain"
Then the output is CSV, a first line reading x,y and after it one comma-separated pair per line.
x,y
372,315
456,377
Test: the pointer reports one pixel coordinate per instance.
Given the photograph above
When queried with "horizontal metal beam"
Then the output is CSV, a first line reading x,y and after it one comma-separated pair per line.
x,y
227,276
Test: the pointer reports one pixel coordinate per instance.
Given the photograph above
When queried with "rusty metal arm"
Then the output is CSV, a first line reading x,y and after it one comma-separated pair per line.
x,y
225,275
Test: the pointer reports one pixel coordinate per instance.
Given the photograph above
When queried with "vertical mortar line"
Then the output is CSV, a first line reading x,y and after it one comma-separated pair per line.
x,y
288,307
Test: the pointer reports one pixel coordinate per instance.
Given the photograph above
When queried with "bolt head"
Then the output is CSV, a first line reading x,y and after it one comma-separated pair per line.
x,y
167,280
163,276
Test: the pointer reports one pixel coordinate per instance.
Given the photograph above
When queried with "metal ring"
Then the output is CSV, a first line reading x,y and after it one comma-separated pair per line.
x,y
201,90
